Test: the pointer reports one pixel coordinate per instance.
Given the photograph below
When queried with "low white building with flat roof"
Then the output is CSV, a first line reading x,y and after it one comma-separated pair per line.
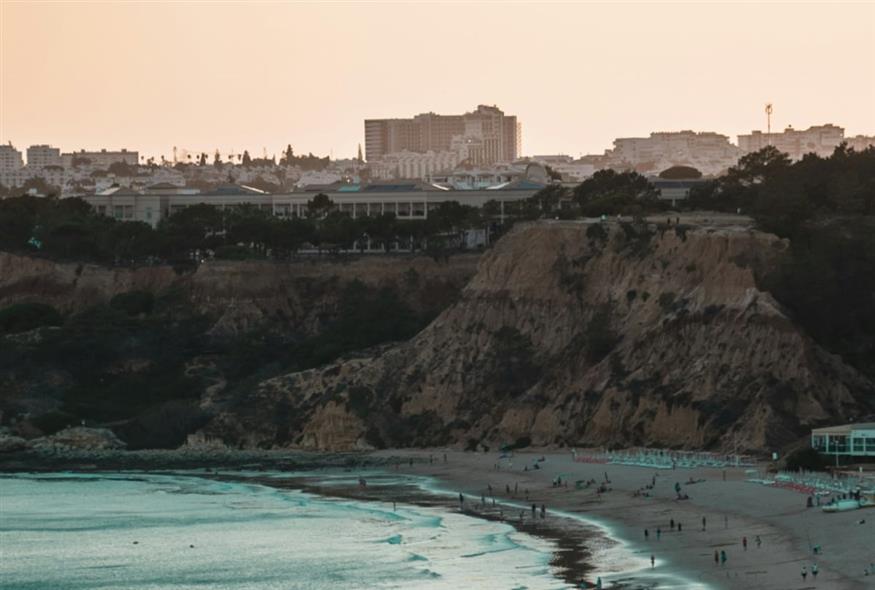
x,y
852,440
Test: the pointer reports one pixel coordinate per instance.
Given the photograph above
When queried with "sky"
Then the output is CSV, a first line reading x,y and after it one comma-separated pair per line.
x,y
260,75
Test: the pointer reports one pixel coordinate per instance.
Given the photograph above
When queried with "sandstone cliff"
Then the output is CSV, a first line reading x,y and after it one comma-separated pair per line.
x,y
578,334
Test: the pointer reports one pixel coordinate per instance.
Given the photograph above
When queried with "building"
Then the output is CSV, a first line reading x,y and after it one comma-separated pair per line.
x,y
10,159
819,139
707,151
99,160
40,156
860,142
409,164
487,133
852,440
407,200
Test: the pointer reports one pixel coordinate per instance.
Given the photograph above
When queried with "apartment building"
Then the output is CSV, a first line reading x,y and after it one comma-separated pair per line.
x,y
709,152
100,160
818,139
487,135
41,156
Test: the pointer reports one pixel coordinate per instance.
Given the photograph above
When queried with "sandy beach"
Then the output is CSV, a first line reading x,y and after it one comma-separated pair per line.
x,y
733,509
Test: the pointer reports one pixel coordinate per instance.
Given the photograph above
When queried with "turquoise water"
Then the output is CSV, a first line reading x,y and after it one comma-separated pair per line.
x,y
134,531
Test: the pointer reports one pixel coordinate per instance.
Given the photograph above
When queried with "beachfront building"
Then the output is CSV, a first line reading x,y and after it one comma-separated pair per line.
x,y
407,200
851,440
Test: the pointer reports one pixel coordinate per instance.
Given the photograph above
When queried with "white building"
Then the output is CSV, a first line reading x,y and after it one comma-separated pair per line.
x,y
10,159
860,142
100,160
855,440
710,153
40,156
819,139
407,164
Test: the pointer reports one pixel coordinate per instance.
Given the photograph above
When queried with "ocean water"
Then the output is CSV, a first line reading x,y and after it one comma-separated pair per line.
x,y
137,531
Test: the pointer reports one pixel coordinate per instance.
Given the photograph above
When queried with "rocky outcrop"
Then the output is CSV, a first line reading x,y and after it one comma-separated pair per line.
x,y
80,438
579,334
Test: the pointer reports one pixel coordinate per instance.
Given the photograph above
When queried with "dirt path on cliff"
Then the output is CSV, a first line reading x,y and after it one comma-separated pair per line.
x,y
733,509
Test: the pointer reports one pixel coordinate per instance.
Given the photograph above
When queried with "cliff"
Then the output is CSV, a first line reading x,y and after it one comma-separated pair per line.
x,y
578,334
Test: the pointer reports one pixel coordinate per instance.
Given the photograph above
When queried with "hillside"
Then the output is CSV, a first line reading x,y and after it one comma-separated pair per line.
x,y
577,334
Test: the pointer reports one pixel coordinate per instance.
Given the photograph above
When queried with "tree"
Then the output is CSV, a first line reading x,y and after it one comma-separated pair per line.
x,y
122,169
247,160
217,159
680,173
202,160
609,193
319,206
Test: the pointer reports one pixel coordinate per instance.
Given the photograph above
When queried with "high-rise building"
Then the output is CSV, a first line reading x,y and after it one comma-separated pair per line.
x,y
10,159
40,156
487,134
819,139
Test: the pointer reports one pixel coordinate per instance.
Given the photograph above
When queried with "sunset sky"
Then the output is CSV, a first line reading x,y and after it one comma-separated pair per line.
x,y
207,75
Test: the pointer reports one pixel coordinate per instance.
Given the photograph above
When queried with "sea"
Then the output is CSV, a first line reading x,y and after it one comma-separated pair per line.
x,y
139,531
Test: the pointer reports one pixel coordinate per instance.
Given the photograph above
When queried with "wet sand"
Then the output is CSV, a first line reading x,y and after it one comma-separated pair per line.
x,y
733,509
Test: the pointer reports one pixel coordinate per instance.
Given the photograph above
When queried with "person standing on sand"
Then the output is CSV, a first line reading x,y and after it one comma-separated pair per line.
x,y
744,543
652,561
758,541
671,524
679,527
543,511
534,510
804,573
704,522
461,500
723,558
813,571
716,558
658,533
646,535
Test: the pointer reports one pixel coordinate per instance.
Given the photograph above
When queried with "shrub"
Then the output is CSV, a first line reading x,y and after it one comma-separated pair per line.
x,y
22,317
233,252
134,303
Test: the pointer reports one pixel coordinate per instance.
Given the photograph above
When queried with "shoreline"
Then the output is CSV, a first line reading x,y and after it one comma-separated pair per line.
x,y
734,509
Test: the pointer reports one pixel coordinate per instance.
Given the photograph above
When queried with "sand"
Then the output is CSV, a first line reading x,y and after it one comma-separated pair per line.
x,y
733,508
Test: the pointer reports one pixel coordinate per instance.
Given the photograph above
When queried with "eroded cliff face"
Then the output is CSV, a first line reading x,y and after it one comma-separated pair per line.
x,y
238,296
578,334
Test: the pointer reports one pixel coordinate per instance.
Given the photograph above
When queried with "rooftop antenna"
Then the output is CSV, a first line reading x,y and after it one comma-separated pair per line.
x,y
769,121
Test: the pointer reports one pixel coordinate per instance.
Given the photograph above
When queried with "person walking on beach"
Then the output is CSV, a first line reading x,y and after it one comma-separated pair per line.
x,y
461,500
704,522
813,571
646,535
543,511
744,543
534,510
804,573
679,527
716,558
658,533
671,524
652,561
758,541
723,558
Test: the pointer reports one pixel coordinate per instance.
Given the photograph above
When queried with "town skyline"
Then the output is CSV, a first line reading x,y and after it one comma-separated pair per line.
x,y
541,66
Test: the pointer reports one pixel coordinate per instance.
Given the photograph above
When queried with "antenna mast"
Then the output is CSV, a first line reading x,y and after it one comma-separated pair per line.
x,y
769,121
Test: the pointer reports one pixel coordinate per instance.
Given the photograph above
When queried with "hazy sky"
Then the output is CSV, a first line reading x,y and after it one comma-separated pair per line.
x,y
202,75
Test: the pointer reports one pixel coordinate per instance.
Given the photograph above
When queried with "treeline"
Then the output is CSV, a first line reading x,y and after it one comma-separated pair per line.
x,y
70,229
785,197
826,208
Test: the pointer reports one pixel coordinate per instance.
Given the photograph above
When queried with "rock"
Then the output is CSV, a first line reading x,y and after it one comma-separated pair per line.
x,y
10,443
81,438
